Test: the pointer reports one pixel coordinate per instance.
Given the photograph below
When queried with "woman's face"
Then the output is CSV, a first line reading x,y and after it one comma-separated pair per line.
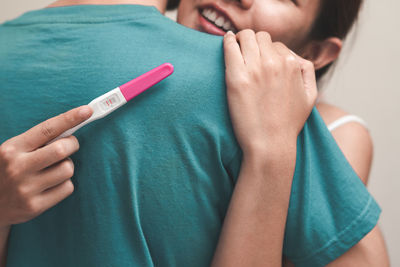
x,y
287,21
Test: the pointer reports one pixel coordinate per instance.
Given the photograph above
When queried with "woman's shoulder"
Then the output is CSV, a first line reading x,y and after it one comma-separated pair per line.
x,y
352,137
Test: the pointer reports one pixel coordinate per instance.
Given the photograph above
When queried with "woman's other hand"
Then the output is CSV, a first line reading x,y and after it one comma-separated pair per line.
x,y
271,91
35,175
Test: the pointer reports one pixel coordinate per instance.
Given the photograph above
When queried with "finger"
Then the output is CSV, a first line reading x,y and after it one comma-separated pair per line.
x,y
285,53
289,59
52,153
53,175
233,56
265,45
54,195
309,79
51,128
248,46
306,70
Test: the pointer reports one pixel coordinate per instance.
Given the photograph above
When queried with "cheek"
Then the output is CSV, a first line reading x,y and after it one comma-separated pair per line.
x,y
284,25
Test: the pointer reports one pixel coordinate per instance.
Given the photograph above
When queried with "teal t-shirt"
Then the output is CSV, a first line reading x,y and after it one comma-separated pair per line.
x,y
153,180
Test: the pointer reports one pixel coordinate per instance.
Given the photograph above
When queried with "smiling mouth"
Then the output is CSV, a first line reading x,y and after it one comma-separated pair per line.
x,y
218,19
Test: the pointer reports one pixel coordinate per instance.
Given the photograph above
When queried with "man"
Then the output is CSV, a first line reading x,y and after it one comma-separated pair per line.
x,y
153,180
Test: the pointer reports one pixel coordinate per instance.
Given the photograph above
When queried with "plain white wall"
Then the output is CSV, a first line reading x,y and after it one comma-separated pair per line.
x,y
365,83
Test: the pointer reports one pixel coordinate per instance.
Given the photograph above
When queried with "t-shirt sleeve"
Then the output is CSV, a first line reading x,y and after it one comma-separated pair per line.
x,y
330,209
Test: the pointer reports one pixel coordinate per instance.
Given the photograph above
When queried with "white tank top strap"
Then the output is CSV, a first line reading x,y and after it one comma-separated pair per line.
x,y
345,119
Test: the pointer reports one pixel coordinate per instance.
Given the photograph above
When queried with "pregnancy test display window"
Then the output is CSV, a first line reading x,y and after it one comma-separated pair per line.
x,y
110,102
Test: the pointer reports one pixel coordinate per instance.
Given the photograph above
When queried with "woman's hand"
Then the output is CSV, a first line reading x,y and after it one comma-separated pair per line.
x,y
34,175
270,90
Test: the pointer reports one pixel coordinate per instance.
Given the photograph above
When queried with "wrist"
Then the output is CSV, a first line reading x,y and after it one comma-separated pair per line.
x,y
271,149
277,161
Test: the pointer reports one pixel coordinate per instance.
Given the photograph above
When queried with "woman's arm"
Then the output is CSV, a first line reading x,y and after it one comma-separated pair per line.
x,y
254,225
270,93
356,144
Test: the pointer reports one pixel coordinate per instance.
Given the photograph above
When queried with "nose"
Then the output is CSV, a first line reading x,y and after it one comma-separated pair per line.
x,y
245,4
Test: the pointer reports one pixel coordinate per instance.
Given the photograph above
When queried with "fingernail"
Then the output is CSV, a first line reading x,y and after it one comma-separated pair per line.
x,y
85,111
230,32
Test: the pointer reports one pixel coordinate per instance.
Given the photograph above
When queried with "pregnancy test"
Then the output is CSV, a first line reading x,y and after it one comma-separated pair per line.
x,y
114,99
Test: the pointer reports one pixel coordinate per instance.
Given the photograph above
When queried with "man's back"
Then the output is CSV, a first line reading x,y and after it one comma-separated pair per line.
x,y
153,179
135,165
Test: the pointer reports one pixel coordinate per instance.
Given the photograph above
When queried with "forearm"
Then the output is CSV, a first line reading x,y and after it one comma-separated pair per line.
x,y
370,252
4,232
254,225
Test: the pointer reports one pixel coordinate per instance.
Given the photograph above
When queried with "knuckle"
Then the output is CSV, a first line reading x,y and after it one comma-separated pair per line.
x,y
75,142
12,171
248,31
308,65
32,206
69,117
68,168
7,152
291,61
69,187
60,150
242,82
22,191
269,64
245,32
263,34
47,130
279,45
254,74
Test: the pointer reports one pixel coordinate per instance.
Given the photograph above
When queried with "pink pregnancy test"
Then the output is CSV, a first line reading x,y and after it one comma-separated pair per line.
x,y
114,99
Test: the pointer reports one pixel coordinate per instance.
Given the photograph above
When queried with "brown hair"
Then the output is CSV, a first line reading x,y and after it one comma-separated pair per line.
x,y
336,18
172,4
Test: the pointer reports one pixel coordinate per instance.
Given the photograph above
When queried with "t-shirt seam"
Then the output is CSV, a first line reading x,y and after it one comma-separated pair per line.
x,y
333,241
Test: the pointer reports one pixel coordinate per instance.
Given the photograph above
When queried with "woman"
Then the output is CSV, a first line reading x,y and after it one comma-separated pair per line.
x,y
315,30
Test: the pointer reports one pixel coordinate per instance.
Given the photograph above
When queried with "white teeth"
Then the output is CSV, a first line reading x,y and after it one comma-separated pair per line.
x,y
213,15
218,20
227,25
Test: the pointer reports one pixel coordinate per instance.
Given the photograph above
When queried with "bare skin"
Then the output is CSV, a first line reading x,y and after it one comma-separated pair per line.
x,y
356,144
35,175
260,73
253,168
289,22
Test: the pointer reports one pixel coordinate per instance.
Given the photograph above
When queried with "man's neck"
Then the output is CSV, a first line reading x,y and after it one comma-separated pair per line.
x,y
159,4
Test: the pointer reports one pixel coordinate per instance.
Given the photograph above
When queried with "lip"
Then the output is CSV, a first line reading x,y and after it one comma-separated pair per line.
x,y
210,27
